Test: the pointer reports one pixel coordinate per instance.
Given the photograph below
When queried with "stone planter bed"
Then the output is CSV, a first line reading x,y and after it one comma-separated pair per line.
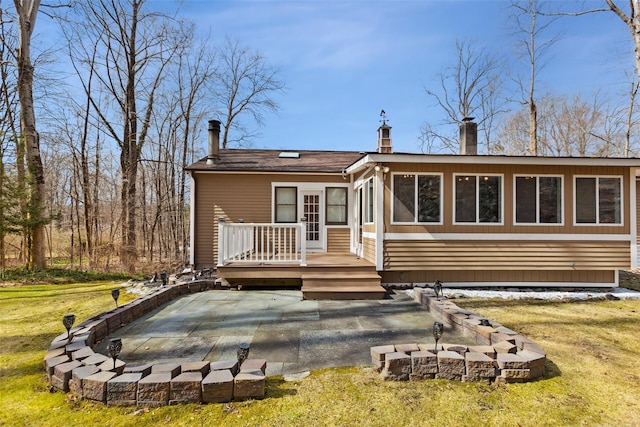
x,y
72,365
501,356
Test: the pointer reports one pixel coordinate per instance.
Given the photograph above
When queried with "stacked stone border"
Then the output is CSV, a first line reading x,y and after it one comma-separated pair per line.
x,y
501,356
73,366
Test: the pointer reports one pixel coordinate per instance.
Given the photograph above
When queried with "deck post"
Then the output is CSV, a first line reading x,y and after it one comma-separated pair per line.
x,y
303,242
221,239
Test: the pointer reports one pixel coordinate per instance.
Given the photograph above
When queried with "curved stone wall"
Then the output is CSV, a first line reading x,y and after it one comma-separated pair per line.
x,y
501,356
72,365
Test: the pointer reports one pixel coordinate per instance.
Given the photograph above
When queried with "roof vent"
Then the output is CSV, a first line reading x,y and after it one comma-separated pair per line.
x,y
289,155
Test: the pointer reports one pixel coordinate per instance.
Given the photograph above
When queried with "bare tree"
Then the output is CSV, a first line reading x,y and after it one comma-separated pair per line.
x,y
245,87
181,111
569,126
469,87
133,47
631,18
530,25
27,11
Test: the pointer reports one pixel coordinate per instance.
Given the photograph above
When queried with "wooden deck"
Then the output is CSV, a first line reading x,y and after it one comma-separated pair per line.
x,y
326,276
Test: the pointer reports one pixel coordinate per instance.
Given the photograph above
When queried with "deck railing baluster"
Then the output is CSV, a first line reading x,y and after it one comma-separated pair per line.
x,y
267,243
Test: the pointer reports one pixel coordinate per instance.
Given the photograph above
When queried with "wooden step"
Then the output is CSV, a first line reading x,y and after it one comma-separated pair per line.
x,y
342,286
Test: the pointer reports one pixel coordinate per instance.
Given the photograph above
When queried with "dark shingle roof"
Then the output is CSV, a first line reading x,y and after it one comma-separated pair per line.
x,y
256,160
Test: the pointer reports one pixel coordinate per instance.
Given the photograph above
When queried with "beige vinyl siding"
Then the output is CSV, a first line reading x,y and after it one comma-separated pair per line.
x,y
508,172
539,277
506,255
369,249
235,196
338,240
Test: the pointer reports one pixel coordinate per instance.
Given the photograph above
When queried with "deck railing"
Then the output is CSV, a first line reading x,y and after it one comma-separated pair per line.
x,y
261,243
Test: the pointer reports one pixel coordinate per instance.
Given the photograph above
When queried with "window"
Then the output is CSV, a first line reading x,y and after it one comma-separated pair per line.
x,y
286,204
369,190
416,198
598,200
336,205
478,199
538,200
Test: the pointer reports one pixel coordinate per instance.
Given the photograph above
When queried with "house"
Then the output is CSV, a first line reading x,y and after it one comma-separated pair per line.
x,y
342,220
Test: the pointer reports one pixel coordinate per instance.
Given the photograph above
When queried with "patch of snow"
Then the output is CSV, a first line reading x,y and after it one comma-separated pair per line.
x,y
615,293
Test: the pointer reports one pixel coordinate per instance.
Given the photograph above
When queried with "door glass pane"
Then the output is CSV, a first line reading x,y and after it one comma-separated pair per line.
x,y
311,208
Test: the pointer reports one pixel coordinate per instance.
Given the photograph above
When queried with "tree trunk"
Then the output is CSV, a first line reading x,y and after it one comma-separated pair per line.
x,y
533,128
27,11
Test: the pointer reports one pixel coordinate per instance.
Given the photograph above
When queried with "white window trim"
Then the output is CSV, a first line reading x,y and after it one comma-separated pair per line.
x,y
598,223
365,185
312,186
415,194
477,222
538,223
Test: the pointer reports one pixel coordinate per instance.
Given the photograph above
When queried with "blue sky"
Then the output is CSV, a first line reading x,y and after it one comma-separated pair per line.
x,y
344,61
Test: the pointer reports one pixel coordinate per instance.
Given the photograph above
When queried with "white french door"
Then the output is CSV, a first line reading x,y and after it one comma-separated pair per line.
x,y
312,210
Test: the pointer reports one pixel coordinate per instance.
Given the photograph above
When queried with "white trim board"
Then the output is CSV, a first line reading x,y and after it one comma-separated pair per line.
x,y
508,236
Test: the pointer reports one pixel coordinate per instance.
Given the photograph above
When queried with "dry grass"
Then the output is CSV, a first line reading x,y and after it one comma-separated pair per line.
x,y
592,375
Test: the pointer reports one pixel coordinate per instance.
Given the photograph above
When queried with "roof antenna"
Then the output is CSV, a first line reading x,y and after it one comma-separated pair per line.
x,y
384,117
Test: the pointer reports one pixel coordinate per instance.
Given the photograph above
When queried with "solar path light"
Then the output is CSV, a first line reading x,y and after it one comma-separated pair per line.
x,y
243,353
115,346
438,328
437,289
68,320
115,293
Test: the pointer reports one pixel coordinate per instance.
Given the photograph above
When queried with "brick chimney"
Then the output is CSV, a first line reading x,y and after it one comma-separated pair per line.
x,y
384,138
214,141
468,137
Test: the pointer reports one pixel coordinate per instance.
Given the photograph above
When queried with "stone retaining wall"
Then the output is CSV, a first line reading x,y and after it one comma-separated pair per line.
x,y
501,356
73,366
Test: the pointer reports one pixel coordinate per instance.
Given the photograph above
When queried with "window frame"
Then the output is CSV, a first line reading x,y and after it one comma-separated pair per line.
x,y
477,195
416,206
326,206
538,223
597,223
276,204
369,207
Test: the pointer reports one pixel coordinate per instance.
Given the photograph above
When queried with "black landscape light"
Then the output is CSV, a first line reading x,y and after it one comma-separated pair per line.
x,y
115,293
115,346
68,320
243,353
163,277
438,328
437,289
485,322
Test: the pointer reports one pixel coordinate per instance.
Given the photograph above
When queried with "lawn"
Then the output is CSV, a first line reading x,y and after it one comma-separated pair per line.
x,y
593,374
